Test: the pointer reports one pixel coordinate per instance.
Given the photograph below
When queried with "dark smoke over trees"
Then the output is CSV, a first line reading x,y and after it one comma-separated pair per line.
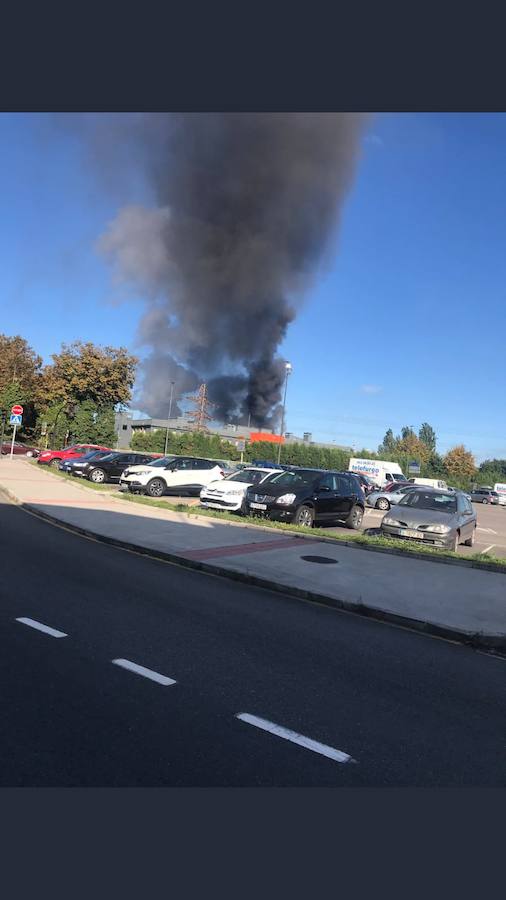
x,y
246,206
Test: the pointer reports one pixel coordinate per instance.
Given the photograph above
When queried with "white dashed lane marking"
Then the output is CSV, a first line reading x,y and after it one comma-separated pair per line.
x,y
39,626
300,739
141,670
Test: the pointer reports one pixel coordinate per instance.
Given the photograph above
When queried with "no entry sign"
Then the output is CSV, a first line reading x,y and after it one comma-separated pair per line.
x,y
17,410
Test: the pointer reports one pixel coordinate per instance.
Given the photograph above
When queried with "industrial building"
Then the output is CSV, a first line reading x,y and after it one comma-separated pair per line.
x,y
126,426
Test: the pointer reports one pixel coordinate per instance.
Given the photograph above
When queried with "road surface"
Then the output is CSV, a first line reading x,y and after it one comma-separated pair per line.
x,y
122,670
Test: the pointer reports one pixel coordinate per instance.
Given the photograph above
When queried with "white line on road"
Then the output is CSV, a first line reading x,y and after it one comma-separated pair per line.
x,y
295,738
488,530
40,627
141,670
487,548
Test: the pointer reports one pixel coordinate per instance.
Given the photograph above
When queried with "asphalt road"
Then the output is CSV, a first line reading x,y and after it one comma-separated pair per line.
x,y
365,703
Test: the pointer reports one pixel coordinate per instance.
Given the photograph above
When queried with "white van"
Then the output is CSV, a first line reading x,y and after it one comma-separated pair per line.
x,y
501,490
436,483
380,471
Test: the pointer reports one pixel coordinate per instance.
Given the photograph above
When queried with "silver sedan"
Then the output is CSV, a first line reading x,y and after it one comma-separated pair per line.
x,y
386,499
439,518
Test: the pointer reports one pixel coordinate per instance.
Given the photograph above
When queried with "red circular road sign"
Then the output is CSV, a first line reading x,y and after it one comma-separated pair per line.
x,y
17,410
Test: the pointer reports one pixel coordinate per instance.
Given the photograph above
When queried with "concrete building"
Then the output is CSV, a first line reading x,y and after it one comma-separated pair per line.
x,y
126,426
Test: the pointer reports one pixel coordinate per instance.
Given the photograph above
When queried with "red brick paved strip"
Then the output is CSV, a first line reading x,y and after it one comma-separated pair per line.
x,y
239,549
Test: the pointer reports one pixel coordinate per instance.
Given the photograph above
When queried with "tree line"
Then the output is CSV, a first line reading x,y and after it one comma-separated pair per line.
x,y
73,398
457,467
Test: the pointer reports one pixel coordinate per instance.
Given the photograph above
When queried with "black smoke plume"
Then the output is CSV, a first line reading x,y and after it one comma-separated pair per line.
x,y
245,207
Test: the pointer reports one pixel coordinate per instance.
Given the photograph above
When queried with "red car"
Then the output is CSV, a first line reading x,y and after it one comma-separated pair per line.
x,y
19,449
54,457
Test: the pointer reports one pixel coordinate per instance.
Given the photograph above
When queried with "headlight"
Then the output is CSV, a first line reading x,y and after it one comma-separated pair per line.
x,y
388,521
286,499
438,529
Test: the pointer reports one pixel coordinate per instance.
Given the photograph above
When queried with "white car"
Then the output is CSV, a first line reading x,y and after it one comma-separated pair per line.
x,y
177,475
230,492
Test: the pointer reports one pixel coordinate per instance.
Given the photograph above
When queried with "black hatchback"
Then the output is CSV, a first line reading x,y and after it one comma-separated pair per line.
x,y
309,496
110,467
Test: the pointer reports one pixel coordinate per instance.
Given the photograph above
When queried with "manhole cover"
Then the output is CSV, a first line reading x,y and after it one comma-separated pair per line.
x,y
324,560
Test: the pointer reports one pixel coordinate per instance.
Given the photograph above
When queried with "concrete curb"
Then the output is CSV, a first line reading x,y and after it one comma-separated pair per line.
x,y
340,542
488,642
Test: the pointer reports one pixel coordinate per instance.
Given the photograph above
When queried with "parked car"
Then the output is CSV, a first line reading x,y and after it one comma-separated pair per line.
x,y
366,483
439,518
500,487
186,474
19,449
76,466
394,485
309,496
485,495
53,457
230,492
111,466
385,499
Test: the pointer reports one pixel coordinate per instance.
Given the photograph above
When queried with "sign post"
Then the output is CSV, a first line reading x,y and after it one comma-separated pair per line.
x,y
414,468
16,419
2,436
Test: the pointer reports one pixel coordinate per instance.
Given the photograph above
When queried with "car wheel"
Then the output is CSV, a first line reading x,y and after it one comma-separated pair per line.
x,y
355,517
55,463
97,476
304,516
470,541
455,542
484,500
382,503
155,488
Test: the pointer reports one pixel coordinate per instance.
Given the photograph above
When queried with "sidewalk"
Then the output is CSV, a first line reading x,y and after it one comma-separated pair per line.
x,y
452,601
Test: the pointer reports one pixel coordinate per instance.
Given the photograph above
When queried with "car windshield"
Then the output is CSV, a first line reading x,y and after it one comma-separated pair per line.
x,y
105,458
398,477
93,453
247,476
160,463
292,479
430,500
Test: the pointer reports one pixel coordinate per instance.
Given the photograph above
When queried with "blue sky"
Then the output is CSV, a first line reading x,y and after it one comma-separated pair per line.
x,y
404,323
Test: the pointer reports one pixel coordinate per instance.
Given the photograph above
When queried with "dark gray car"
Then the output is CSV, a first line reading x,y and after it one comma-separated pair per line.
x,y
439,518
485,495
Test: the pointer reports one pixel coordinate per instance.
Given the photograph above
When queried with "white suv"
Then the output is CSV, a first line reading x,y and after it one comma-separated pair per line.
x,y
230,493
178,475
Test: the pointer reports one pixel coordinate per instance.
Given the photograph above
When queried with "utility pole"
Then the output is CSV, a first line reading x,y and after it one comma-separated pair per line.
x,y
170,415
200,416
288,369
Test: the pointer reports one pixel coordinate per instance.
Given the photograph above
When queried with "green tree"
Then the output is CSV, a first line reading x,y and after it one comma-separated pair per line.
x,y
428,436
389,445
85,371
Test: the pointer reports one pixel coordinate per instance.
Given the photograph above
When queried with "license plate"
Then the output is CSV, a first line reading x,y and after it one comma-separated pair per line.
x,y
409,532
258,505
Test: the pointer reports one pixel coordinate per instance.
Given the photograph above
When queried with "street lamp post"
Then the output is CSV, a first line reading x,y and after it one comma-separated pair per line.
x,y
170,414
288,369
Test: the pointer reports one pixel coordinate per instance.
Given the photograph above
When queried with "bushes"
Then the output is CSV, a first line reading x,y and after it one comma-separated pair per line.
x,y
191,443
